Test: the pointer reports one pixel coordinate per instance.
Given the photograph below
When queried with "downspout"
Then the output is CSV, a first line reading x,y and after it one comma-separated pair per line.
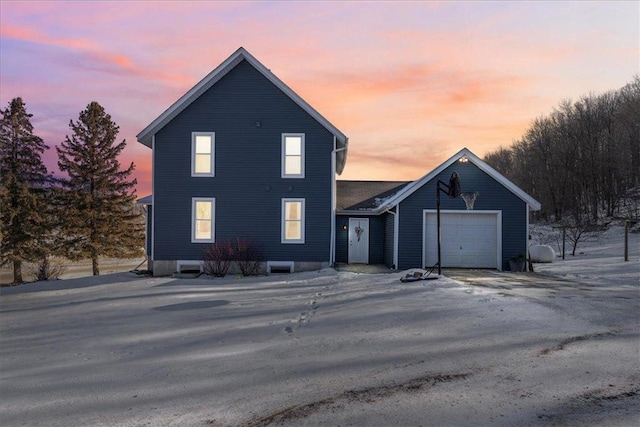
x,y
146,233
336,150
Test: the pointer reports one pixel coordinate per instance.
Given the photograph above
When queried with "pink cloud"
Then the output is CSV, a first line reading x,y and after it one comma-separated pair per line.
x,y
34,36
400,79
91,55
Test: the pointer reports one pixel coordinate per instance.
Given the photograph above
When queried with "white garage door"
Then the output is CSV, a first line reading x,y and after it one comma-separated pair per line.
x,y
469,238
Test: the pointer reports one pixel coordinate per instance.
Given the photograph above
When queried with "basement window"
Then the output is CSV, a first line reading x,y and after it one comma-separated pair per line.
x,y
279,267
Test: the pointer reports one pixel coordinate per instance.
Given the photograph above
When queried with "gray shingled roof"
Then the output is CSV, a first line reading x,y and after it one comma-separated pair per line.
x,y
365,195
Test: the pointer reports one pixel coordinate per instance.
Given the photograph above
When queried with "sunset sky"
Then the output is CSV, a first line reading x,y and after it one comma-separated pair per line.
x,y
410,83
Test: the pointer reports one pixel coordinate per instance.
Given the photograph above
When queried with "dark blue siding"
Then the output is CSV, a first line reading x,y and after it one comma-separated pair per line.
x,y
389,232
247,185
493,196
342,239
376,238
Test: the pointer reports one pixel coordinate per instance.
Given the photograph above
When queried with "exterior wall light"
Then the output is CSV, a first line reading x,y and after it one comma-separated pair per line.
x,y
463,159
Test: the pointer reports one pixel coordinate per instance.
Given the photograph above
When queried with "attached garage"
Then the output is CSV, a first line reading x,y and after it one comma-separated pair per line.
x,y
482,234
469,239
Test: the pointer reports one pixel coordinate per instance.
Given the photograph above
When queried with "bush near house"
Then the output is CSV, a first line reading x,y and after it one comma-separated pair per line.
x,y
247,254
217,258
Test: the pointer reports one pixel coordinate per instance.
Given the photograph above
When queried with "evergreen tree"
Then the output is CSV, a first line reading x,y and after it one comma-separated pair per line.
x,y
23,188
98,198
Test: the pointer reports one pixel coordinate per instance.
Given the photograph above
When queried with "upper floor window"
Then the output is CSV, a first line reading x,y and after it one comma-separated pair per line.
x,y
292,155
202,220
202,153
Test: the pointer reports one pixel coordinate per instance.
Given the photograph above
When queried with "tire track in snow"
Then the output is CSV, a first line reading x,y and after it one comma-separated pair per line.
x,y
367,395
570,340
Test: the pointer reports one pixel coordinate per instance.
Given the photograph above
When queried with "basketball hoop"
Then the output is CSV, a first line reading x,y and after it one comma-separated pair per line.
x,y
469,198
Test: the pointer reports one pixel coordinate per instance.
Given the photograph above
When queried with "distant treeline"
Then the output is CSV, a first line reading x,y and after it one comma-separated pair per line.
x,y
583,160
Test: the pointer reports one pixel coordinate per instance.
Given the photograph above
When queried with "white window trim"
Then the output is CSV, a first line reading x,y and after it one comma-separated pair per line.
x,y
193,219
283,238
193,154
302,156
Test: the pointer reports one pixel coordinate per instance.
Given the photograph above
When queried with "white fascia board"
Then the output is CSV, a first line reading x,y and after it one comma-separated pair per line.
x,y
185,100
354,212
147,200
213,77
533,203
414,186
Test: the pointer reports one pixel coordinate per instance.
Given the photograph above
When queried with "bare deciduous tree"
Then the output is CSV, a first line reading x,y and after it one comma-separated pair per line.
x,y
583,159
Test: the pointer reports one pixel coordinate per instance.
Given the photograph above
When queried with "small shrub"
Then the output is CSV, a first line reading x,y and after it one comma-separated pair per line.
x,y
580,233
217,258
249,257
48,269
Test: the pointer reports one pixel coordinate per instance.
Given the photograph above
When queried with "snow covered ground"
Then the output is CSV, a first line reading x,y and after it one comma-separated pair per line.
x,y
599,258
74,269
328,348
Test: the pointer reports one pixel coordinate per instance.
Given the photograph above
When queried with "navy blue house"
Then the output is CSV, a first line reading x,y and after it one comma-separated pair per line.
x,y
242,155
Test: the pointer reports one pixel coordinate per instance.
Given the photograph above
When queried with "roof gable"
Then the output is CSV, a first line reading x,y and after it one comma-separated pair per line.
x,y
147,200
415,185
146,135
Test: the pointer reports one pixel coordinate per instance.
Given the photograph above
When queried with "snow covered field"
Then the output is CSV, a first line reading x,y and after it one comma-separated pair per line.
x,y
74,269
329,348
598,259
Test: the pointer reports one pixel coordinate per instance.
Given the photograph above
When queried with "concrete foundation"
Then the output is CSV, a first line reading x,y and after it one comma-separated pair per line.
x,y
167,268
163,268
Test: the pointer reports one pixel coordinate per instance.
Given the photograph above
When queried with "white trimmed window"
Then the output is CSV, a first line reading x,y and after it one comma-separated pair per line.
x,y
293,221
202,153
292,155
203,220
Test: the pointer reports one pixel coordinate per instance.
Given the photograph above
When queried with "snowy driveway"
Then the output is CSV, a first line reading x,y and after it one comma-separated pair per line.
x,y
320,348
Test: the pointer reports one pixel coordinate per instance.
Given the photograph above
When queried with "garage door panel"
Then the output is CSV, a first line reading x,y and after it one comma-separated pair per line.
x,y
469,240
451,246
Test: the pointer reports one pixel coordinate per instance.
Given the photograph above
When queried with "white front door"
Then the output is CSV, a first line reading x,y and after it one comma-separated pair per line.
x,y
358,241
